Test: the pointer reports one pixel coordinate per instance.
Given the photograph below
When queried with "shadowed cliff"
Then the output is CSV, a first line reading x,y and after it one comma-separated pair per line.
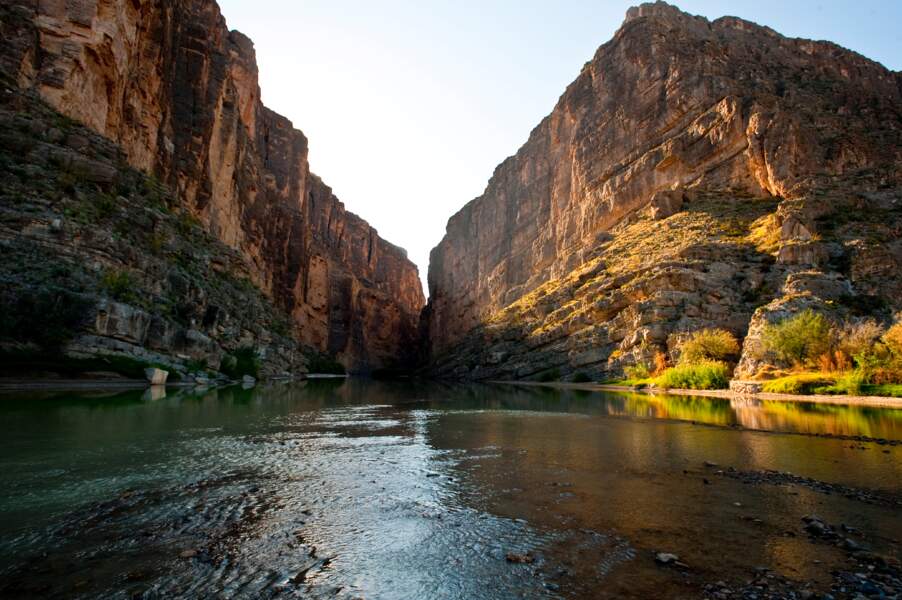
x,y
178,92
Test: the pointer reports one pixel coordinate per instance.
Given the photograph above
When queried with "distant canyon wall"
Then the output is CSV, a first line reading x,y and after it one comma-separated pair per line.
x,y
179,93
673,107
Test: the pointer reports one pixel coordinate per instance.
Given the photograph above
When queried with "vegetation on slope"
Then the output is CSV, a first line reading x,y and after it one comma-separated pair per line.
x,y
102,269
851,358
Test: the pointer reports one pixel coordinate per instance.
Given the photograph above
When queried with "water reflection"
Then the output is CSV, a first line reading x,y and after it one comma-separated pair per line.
x,y
353,488
789,417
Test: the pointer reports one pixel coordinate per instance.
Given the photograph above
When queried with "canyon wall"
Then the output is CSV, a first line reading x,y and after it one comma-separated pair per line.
x,y
694,172
178,91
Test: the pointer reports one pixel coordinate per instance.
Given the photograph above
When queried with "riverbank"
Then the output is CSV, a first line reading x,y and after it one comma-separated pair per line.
x,y
872,401
12,385
65,385
58,385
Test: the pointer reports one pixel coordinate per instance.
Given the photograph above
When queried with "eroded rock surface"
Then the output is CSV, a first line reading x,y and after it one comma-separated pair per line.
x,y
682,181
178,92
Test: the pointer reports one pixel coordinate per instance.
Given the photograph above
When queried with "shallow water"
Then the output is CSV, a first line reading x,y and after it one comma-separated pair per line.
x,y
365,489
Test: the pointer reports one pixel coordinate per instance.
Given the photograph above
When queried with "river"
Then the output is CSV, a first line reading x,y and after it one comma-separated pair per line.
x,y
365,489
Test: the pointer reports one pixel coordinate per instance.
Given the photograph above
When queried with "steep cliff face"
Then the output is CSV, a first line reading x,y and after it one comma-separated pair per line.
x,y
690,175
178,92
103,270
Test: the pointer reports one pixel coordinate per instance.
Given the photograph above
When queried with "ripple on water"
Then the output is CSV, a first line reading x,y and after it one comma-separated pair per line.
x,y
308,507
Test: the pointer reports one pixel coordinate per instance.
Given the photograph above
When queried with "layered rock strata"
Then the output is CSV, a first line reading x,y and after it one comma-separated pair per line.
x,y
695,174
178,91
102,270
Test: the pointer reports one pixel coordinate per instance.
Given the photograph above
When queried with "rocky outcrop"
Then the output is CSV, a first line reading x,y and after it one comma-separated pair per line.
x,y
178,92
691,168
102,269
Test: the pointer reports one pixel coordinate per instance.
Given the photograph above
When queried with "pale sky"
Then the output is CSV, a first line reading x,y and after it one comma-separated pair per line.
x,y
410,105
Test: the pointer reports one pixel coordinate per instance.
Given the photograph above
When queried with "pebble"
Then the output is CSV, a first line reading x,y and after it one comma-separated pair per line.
x,y
523,559
669,559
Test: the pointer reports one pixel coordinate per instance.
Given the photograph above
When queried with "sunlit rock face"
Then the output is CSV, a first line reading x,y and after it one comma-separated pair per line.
x,y
178,91
767,156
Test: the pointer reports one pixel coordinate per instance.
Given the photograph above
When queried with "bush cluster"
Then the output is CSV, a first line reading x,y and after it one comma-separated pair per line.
x,y
800,338
705,362
847,358
709,345
47,316
323,364
638,372
801,383
120,285
703,375
241,362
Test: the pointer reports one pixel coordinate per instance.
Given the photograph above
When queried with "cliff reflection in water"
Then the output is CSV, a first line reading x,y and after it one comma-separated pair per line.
x,y
789,417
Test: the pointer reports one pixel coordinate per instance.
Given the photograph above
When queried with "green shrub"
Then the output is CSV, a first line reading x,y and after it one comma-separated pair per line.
x,y
802,383
323,364
892,390
196,366
705,375
187,223
119,285
581,377
16,363
550,375
280,326
849,384
637,372
156,242
716,345
893,339
241,362
857,338
157,193
47,317
105,205
799,339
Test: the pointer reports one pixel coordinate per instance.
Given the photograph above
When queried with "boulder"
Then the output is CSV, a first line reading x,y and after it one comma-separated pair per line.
x,y
156,376
121,322
666,204
828,286
745,388
803,254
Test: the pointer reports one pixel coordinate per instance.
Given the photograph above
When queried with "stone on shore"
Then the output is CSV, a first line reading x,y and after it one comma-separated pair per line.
x,y
156,376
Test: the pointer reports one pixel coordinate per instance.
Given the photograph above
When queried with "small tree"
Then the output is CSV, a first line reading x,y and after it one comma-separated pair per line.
x,y
637,372
858,337
800,338
893,339
660,362
709,345
241,362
